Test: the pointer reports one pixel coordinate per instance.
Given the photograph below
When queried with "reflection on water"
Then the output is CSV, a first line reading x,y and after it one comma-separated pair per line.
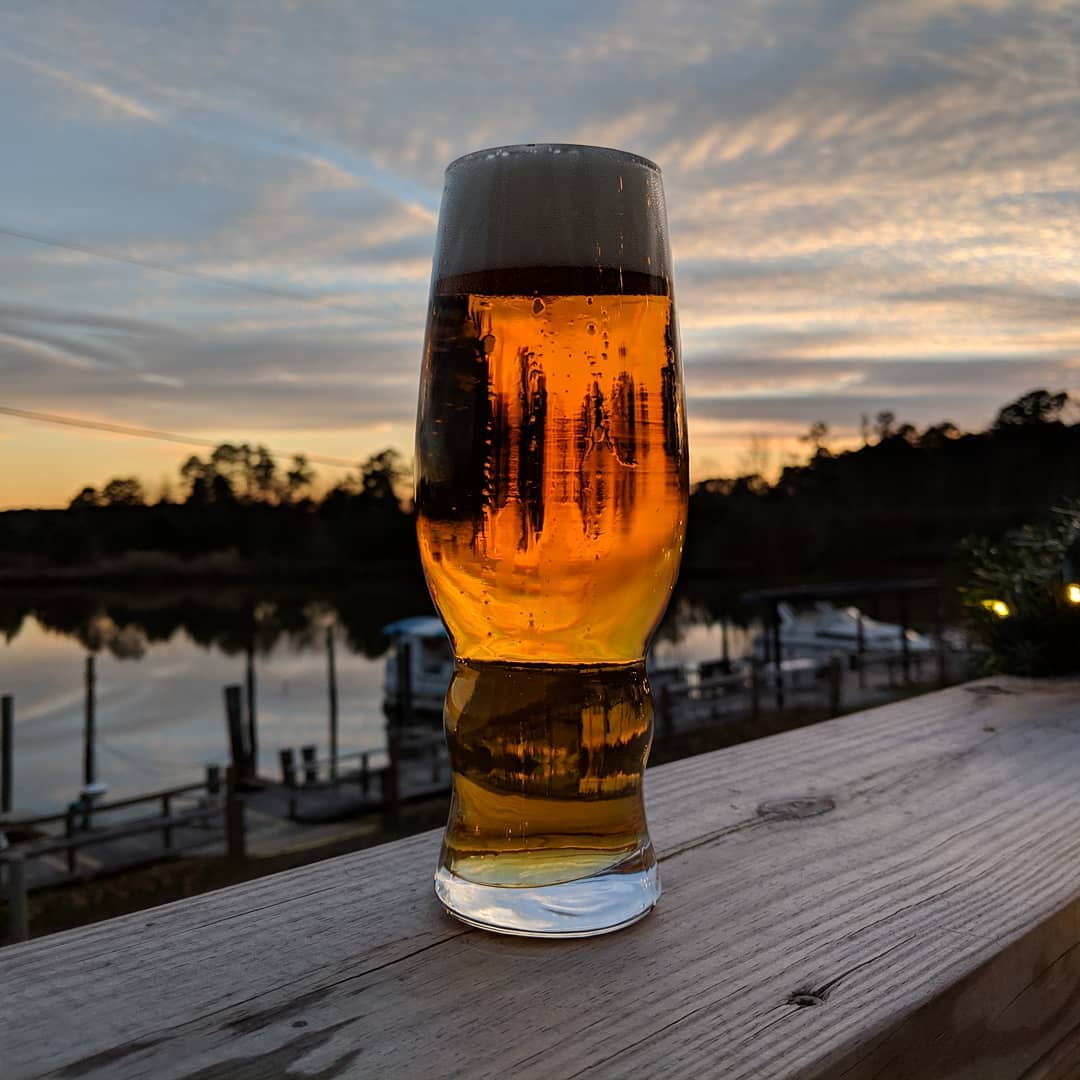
x,y
161,719
162,660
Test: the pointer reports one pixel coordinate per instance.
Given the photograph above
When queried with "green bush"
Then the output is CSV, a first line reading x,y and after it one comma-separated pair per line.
x,y
1023,596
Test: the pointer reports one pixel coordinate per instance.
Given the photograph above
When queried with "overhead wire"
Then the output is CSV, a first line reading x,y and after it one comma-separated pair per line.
x,y
152,433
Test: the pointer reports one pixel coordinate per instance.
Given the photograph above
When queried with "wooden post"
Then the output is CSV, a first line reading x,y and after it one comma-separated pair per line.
x,y
235,840
939,633
724,650
755,689
860,645
836,677
234,720
777,656
365,776
89,763
391,794
252,736
7,746
288,767
166,830
18,916
69,833
331,676
311,767
213,780
404,682
905,651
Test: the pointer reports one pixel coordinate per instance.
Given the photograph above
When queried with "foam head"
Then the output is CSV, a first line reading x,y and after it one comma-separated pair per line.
x,y
552,205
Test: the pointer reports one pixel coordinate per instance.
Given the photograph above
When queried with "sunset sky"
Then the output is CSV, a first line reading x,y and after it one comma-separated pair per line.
x,y
218,220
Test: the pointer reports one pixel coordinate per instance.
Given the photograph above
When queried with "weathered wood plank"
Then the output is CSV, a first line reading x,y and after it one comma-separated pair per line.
x,y
922,900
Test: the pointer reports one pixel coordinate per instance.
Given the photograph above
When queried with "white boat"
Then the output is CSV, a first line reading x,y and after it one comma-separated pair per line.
x,y
424,640
431,665
829,631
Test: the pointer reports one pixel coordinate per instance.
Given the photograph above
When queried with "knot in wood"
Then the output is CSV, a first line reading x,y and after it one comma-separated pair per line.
x,y
804,807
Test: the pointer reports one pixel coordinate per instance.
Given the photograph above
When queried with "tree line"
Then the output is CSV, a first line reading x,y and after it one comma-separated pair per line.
x,y
237,514
900,502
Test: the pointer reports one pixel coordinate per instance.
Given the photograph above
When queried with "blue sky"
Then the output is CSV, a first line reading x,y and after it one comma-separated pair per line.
x,y
873,206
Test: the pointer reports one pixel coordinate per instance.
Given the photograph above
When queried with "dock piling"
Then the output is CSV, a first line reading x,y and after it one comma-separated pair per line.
x,y
331,679
239,748
89,761
7,748
311,766
18,916
252,733
235,840
836,679
288,766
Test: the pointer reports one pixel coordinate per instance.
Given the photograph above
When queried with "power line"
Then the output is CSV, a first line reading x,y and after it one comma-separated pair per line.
x,y
152,433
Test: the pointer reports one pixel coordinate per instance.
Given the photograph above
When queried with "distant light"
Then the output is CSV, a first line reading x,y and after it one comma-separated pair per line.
x,y
1072,592
1000,608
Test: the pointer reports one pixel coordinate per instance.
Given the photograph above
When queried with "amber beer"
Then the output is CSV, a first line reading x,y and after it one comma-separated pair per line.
x,y
551,509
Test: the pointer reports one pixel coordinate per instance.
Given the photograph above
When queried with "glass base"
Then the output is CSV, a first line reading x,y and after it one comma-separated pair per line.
x,y
586,907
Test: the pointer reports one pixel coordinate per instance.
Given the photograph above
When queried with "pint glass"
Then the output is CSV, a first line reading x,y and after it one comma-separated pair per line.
x,y
551,496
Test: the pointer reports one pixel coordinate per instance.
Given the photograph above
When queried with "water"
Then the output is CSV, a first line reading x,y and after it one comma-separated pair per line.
x,y
162,662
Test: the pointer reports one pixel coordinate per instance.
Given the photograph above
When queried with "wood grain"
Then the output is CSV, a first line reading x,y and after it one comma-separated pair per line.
x,y
892,894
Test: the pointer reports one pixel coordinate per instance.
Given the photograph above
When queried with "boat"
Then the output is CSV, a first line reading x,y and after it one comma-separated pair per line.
x,y
829,631
423,640
431,666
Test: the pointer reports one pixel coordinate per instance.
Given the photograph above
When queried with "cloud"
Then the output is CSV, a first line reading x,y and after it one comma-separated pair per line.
x,y
871,204
97,95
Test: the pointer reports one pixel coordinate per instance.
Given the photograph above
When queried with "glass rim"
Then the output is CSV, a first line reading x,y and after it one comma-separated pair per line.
x,y
555,148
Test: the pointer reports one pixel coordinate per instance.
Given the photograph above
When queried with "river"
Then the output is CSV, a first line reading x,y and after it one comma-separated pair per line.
x,y
162,659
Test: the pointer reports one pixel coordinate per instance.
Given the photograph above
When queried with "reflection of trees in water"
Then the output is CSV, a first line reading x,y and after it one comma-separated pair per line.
x,y
126,623
229,620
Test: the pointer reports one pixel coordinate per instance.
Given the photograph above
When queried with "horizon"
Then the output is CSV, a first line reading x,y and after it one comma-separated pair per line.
x,y
222,226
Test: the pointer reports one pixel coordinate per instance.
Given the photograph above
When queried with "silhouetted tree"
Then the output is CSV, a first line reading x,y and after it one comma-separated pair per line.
x,y
87,499
936,436
1034,407
299,478
884,424
263,472
816,436
123,491
908,432
380,475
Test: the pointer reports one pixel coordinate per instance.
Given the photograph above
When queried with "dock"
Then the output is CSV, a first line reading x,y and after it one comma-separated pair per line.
x,y
317,801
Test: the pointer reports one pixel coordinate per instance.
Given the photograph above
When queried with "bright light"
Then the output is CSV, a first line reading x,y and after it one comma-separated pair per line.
x,y
1072,592
998,607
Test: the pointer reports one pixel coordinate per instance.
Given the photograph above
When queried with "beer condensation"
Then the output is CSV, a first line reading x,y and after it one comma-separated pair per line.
x,y
551,508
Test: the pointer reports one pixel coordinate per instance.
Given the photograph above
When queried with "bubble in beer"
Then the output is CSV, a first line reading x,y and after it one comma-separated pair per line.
x,y
538,306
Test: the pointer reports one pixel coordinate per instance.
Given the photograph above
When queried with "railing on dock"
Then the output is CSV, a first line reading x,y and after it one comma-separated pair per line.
x,y
220,805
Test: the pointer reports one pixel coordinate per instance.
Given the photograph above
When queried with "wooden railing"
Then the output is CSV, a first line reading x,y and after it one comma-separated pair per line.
x,y
80,833
892,894
85,810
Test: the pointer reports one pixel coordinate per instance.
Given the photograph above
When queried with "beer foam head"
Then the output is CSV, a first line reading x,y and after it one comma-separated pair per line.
x,y
552,205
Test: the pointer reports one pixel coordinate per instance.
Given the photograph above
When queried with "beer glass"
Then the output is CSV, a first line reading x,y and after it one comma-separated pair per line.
x,y
551,495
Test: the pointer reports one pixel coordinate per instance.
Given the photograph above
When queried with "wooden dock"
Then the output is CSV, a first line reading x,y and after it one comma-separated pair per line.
x,y
893,895
322,800
272,817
